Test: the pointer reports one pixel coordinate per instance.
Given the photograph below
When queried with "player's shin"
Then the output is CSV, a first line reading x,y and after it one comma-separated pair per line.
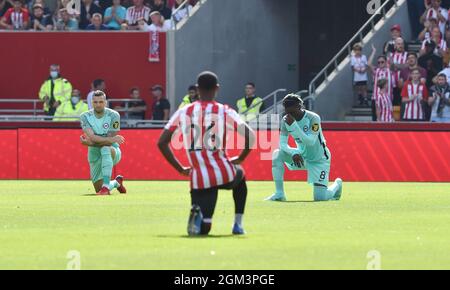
x,y
278,173
240,199
107,165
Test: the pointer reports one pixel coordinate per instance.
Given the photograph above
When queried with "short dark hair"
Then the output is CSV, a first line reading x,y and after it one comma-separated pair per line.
x,y
442,76
134,89
412,53
383,57
292,100
96,83
251,84
192,88
99,93
207,81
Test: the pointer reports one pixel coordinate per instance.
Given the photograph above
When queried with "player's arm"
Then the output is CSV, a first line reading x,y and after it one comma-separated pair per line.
x,y
99,141
163,145
249,135
307,138
284,141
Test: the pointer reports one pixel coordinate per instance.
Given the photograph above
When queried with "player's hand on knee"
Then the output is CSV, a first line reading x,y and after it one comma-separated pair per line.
x,y
298,160
119,139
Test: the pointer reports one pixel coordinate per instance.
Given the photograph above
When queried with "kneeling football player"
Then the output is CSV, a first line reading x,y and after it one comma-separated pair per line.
x,y
204,127
311,154
100,126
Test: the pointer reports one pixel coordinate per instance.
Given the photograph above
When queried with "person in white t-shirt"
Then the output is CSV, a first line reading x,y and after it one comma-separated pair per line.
x,y
359,67
159,24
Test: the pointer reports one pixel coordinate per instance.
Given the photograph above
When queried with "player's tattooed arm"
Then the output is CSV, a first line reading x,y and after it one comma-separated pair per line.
x,y
164,147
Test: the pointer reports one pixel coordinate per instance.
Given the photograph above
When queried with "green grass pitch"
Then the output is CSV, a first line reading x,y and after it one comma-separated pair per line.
x,y
41,221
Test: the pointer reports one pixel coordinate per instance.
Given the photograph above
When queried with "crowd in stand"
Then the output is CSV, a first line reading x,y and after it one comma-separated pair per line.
x,y
408,85
48,15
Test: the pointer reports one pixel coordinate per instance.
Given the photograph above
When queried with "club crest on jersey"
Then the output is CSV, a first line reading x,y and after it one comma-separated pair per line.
x,y
116,125
315,127
305,129
106,126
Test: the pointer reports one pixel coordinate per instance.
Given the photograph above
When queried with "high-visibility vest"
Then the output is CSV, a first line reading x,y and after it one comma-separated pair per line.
x,y
186,101
62,91
253,112
70,114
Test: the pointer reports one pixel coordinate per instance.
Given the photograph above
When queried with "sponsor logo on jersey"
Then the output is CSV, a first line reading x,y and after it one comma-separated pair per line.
x,y
106,126
315,127
116,125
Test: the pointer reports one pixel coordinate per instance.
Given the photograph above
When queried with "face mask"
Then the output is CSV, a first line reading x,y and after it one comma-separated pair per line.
x,y
75,100
54,74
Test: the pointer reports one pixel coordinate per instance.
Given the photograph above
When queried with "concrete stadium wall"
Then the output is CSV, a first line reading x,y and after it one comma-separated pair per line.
x,y
242,41
336,100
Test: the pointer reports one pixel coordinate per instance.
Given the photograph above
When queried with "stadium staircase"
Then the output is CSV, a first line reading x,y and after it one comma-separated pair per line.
x,y
331,91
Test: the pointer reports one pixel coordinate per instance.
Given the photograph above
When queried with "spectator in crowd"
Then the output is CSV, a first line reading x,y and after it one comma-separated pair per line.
x,y
397,61
39,21
97,85
161,106
425,34
250,106
384,103
360,78
66,22
104,4
435,11
396,32
432,63
136,13
47,11
379,72
412,64
158,23
115,15
71,110
439,100
414,94
88,9
5,5
136,109
55,90
183,12
97,23
161,7
190,98
439,41
15,18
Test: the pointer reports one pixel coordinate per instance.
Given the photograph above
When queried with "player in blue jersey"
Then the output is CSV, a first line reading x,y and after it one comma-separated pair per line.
x,y
311,153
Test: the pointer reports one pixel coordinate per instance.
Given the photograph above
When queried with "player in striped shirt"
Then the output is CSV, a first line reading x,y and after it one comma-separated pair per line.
x,y
204,125
414,94
397,62
311,153
384,103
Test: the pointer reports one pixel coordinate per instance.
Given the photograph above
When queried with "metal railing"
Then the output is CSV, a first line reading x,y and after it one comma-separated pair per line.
x,y
346,51
273,95
33,111
189,13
